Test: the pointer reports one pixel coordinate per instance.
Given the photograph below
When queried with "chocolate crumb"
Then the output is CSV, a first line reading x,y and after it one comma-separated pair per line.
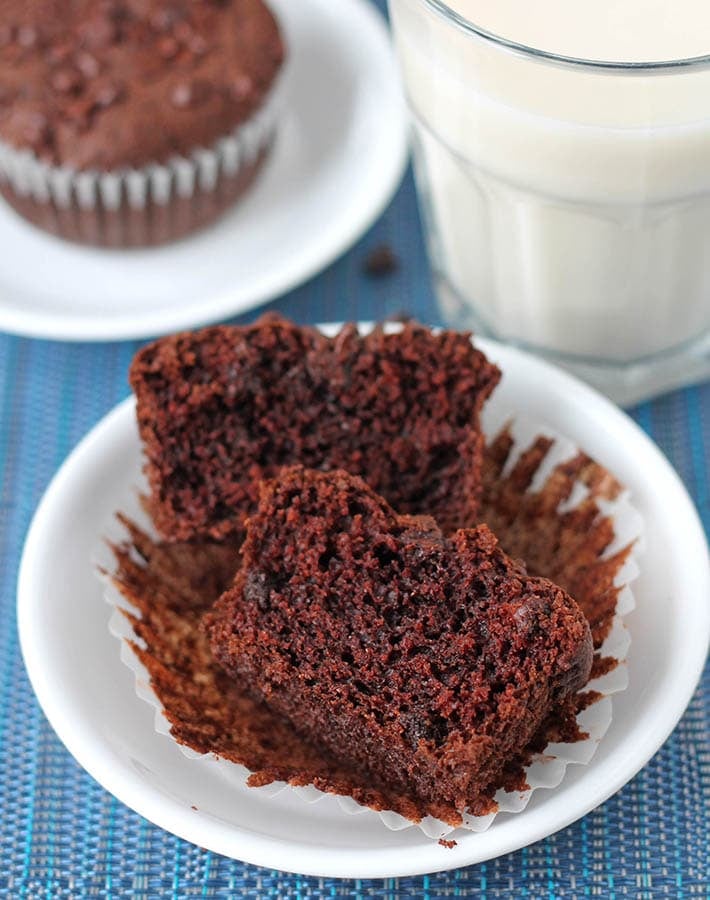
x,y
448,844
603,665
381,261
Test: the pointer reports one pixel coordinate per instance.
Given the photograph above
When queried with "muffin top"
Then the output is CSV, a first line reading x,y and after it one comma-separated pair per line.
x,y
107,84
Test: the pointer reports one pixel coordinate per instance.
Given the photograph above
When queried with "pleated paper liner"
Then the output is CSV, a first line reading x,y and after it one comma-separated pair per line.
x,y
549,504
143,206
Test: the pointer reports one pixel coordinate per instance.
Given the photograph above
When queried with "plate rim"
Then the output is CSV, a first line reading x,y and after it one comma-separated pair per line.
x,y
327,245
240,843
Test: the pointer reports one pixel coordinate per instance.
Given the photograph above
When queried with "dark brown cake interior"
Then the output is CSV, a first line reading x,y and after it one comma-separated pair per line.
x,y
422,661
171,585
222,408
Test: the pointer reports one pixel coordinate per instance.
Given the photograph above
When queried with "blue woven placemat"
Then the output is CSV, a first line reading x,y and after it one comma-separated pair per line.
x,y
61,835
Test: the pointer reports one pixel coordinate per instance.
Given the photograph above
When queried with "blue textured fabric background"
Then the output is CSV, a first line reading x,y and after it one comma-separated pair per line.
x,y
61,835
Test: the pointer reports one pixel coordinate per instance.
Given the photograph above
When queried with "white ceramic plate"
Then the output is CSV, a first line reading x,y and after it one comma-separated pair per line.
x,y
340,154
88,694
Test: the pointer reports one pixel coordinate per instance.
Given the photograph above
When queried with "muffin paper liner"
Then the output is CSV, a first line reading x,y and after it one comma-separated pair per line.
x,y
557,469
158,184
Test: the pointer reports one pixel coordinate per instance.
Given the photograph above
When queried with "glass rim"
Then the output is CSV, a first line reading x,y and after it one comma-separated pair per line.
x,y
443,9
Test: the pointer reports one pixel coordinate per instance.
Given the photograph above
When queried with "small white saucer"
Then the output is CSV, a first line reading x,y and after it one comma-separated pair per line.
x,y
89,695
340,154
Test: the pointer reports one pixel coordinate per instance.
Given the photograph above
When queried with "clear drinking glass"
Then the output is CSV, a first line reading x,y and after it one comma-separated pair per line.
x,y
566,201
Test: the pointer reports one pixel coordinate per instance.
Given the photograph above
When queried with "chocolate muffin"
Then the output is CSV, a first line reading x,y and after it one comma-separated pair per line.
x,y
221,408
134,122
424,662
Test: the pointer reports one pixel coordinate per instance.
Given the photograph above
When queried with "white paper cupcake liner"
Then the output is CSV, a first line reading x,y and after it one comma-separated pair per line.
x,y
181,176
547,769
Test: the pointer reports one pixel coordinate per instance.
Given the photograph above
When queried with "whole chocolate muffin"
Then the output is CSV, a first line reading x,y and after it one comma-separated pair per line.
x,y
133,122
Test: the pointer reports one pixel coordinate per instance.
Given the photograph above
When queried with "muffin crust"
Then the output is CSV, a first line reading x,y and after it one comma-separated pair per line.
x,y
110,84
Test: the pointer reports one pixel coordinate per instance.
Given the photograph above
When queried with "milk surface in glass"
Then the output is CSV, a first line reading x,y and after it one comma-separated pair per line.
x,y
567,204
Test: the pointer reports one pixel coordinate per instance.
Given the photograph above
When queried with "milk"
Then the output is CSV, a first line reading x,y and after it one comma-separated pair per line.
x,y
616,30
568,207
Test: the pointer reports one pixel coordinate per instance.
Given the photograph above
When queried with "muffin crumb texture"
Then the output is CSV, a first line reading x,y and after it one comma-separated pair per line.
x,y
422,661
222,408
172,585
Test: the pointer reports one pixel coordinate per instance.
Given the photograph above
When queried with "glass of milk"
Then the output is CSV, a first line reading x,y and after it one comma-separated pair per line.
x,y
562,155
